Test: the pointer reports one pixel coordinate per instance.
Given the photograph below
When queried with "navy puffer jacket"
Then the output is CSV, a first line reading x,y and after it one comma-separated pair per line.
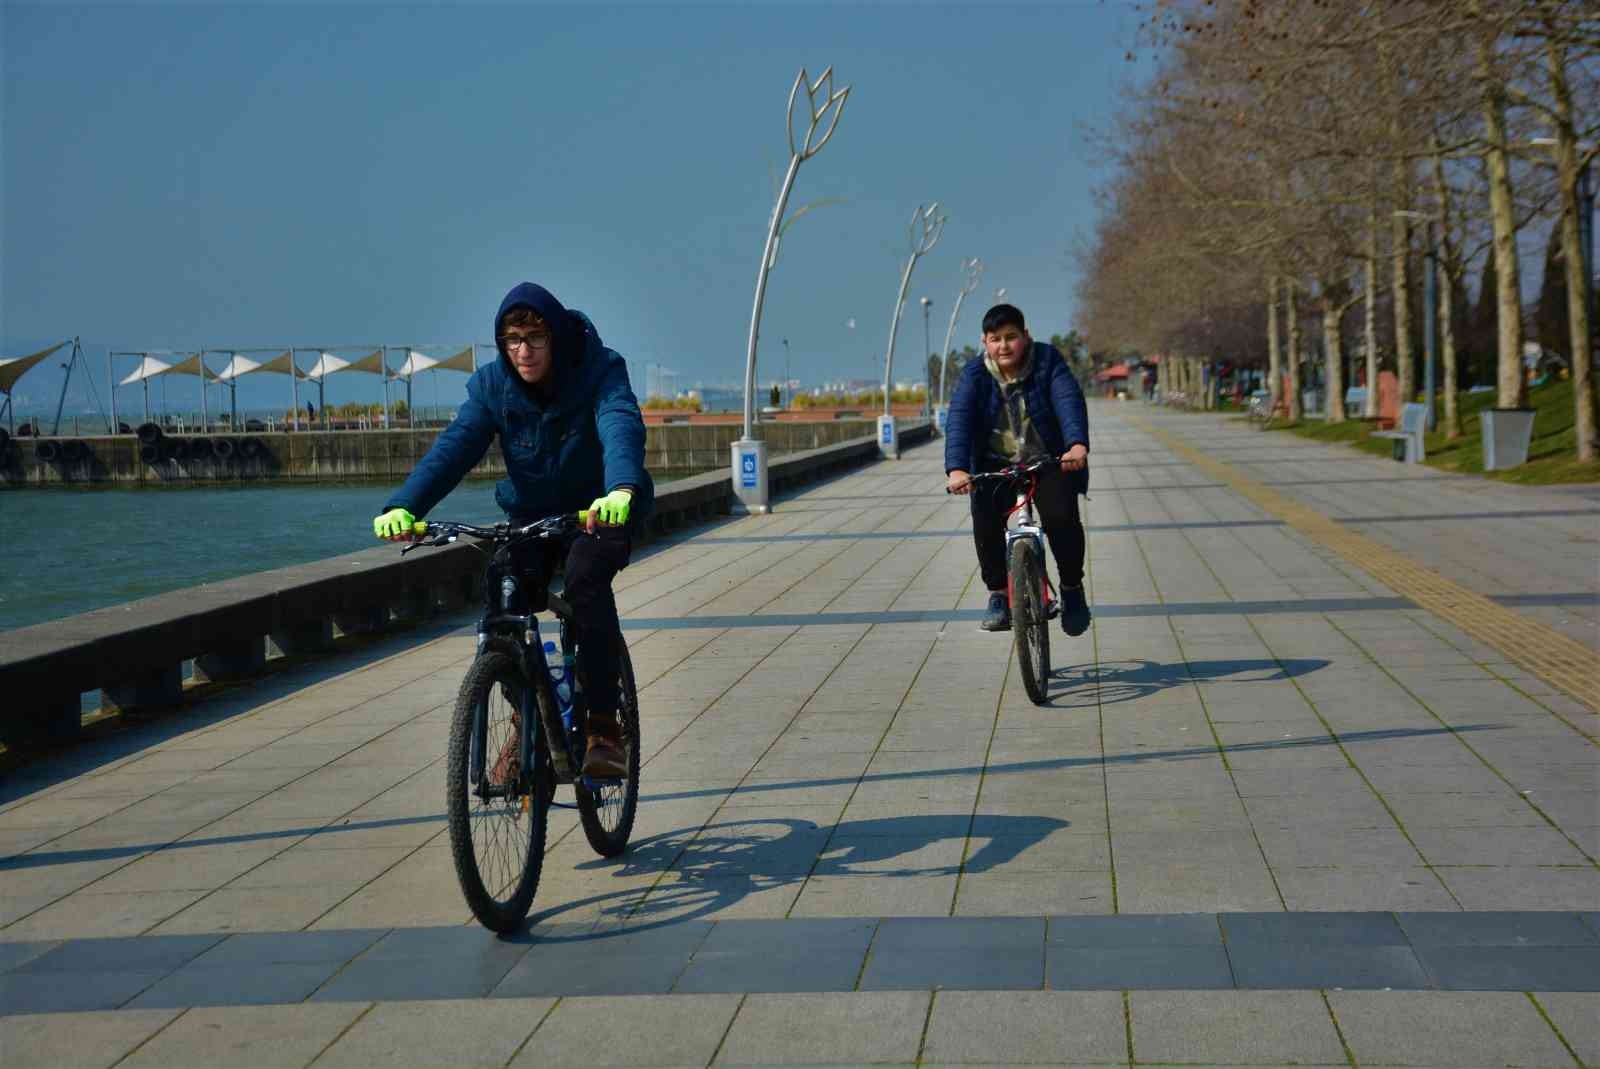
x,y
1055,407
577,440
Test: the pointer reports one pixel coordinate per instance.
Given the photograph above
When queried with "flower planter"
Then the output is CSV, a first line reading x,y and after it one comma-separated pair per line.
x,y
1506,434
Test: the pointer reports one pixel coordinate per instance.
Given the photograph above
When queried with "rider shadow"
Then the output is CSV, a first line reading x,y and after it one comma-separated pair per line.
x,y
1124,681
718,866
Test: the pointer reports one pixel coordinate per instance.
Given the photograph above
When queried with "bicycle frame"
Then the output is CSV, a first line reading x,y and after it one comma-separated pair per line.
x,y
1028,528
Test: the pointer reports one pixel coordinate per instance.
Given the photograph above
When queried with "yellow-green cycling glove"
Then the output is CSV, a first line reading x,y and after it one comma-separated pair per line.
x,y
396,523
612,510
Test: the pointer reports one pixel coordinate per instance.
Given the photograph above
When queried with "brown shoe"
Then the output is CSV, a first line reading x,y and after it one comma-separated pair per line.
x,y
605,757
509,764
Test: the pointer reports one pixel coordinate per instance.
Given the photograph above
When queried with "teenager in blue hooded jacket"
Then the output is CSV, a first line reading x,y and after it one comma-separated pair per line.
x,y
1016,405
572,437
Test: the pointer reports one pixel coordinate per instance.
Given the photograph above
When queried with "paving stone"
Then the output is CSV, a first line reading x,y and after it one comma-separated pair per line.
x,y
1436,1028
819,1029
257,1036
1492,968
59,991
139,954
1577,1017
660,1031
236,986
1497,928
1309,966
1134,930
1124,968
478,1033
1027,1027
1233,1028
1312,929
85,1040
15,955
252,949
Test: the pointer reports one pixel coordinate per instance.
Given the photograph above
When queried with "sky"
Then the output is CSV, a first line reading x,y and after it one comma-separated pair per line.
x,y
179,176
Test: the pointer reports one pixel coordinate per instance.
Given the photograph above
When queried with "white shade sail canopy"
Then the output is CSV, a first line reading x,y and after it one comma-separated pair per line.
x,y
326,365
149,367
283,363
192,366
13,368
415,362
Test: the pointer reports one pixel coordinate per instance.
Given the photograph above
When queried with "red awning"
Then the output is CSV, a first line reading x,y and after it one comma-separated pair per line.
x,y
1118,372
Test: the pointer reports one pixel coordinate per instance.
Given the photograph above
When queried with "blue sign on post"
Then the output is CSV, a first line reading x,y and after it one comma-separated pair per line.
x,y
888,433
747,470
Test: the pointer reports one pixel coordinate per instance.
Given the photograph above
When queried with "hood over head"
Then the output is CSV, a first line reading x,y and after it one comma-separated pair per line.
x,y
566,329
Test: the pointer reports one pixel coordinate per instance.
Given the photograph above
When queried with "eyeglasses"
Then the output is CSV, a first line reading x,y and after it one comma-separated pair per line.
x,y
532,341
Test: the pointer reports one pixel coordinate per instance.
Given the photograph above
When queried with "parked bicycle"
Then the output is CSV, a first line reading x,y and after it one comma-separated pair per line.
x,y
1033,600
518,729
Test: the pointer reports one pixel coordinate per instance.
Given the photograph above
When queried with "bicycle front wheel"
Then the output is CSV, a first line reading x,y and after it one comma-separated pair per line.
x,y
1029,626
607,807
496,812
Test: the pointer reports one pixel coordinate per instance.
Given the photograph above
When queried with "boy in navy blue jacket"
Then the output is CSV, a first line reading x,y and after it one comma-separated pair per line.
x,y
1018,404
573,438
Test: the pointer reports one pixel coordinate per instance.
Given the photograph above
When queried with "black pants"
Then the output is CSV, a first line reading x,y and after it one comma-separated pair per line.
x,y
592,563
1055,504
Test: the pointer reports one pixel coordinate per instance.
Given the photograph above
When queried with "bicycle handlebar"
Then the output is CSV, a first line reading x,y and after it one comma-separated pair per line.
x,y
443,532
1015,473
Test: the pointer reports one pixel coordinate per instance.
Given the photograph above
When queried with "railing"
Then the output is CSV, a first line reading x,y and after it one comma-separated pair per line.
x,y
135,654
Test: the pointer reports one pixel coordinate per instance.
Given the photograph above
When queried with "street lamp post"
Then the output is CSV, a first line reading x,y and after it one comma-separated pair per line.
x,y
784,398
750,455
926,227
927,343
973,269
1430,326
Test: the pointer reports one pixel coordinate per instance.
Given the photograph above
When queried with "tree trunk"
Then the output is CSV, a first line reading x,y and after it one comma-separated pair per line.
x,y
1333,354
1508,277
1572,251
1447,317
1369,407
1405,365
1291,296
1274,357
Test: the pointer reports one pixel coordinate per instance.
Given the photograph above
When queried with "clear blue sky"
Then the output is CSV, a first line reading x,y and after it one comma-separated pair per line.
x,y
188,175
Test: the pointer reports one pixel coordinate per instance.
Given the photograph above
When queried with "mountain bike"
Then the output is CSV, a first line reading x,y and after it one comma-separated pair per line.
x,y
518,729
1033,600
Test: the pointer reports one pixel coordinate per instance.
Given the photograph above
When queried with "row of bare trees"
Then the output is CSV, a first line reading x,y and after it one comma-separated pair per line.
x,y
1294,161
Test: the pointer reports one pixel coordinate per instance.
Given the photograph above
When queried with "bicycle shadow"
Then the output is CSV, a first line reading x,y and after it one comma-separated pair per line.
x,y
717,866
1110,682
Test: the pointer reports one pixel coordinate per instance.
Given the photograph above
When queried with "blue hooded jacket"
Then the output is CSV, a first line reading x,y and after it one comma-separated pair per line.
x,y
1055,407
578,437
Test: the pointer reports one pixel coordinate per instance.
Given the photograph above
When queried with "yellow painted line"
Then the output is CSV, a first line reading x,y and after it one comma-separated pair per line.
x,y
1544,651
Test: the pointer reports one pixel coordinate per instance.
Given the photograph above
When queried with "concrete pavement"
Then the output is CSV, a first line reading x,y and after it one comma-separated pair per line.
x,y
1274,812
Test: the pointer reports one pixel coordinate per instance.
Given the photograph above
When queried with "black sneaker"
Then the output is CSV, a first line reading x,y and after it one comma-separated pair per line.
x,y
1075,615
998,617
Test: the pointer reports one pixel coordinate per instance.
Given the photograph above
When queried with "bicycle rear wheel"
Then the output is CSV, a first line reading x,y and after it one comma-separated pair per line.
x,y
607,810
1029,625
496,814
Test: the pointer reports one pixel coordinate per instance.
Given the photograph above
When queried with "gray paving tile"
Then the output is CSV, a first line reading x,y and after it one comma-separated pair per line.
x,y
251,949
1313,929
463,1035
1127,968
1576,1015
800,935
973,968
15,955
144,953
922,935
598,968
1312,966
444,942
1233,1027
1512,968
1026,1027
821,1029
257,1037
1505,928
254,984
676,1030
1445,1028
55,992
1135,930
392,979
87,1040
730,971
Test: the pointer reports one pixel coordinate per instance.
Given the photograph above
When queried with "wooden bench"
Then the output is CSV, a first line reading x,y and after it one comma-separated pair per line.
x,y
1408,438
